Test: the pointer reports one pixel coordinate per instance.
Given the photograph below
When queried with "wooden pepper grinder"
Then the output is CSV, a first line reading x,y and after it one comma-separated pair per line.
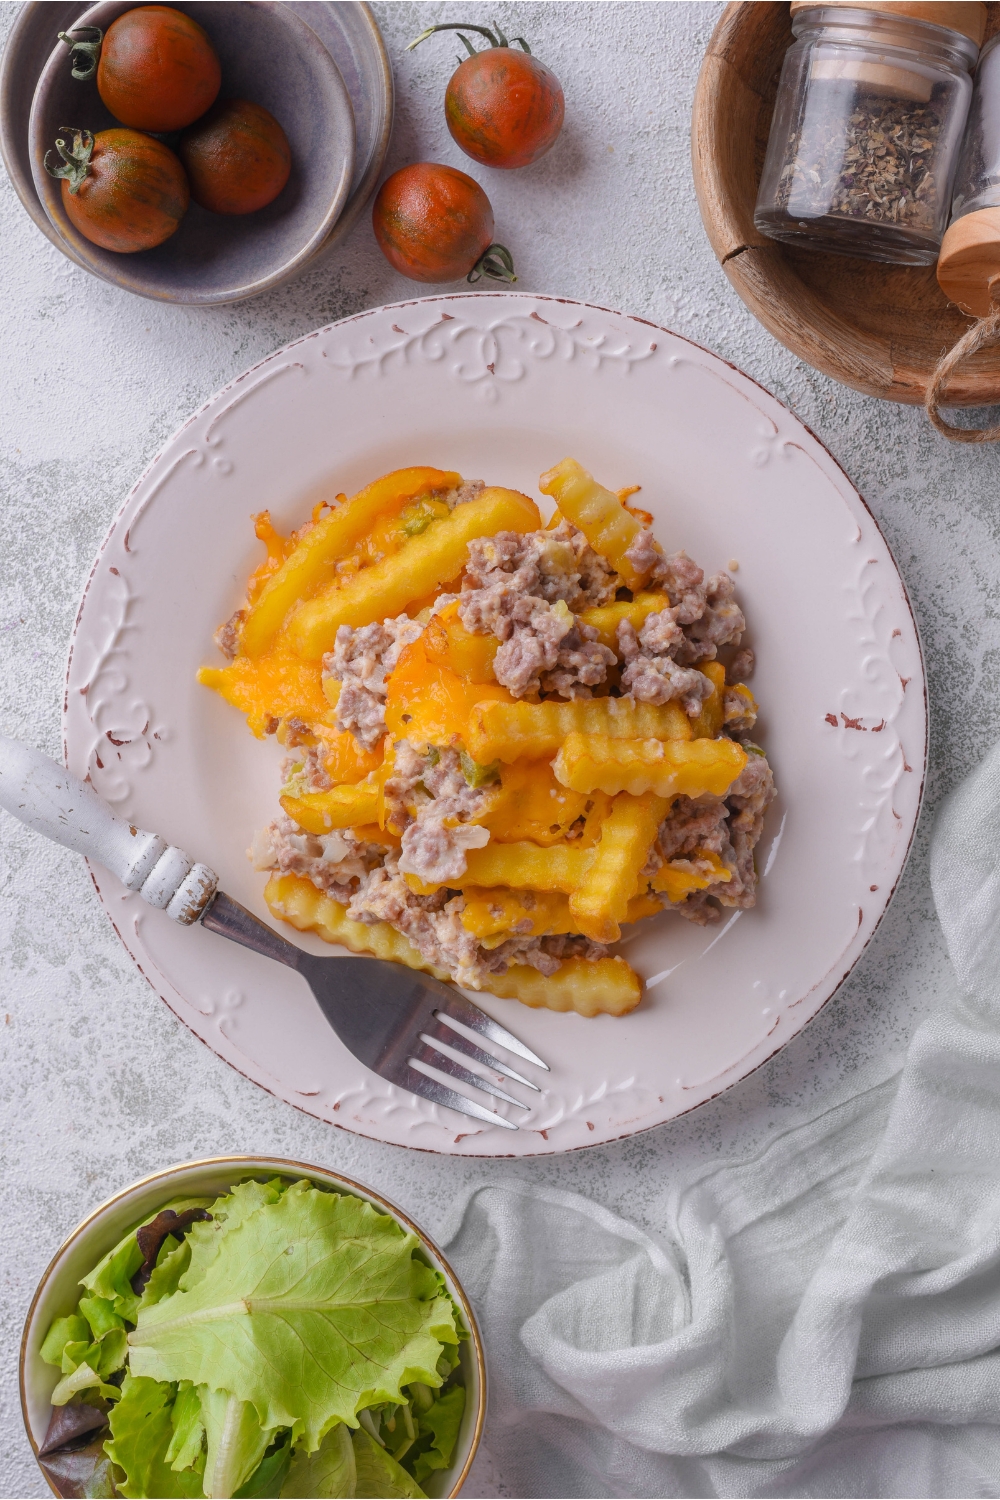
x,y
968,268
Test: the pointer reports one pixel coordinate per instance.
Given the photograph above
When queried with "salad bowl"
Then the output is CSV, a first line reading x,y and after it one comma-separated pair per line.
x,y
59,1288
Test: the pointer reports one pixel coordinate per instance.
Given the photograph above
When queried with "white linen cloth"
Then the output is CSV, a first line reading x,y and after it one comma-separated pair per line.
x,y
820,1320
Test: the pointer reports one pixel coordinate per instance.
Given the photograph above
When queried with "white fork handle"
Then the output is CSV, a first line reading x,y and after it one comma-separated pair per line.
x,y
50,800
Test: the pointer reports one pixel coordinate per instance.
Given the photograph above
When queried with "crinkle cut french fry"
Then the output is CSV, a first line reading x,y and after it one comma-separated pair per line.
x,y
525,866
532,731
423,564
600,902
607,987
491,914
608,526
340,807
313,561
295,900
670,768
606,618
709,722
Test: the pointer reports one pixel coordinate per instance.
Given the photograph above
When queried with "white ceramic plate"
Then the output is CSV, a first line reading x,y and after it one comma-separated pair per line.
x,y
501,386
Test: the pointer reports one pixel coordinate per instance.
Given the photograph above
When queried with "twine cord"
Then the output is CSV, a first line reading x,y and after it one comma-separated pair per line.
x,y
982,333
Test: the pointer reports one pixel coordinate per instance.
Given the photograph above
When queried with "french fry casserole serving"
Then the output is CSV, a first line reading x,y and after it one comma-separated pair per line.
x,y
507,738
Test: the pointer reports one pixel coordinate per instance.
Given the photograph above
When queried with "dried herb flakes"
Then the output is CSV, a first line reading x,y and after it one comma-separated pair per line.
x,y
876,163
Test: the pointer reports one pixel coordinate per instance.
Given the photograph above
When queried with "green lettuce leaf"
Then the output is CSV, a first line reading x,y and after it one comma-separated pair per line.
x,y
311,1308
141,1431
76,1354
171,1263
328,1474
267,1479
228,1213
188,1428
71,1330
84,1364
112,1351
378,1472
111,1278
101,1316
83,1378
441,1423
236,1441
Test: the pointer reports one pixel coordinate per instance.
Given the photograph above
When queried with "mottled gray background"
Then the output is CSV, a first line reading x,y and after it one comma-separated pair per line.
x,y
99,1082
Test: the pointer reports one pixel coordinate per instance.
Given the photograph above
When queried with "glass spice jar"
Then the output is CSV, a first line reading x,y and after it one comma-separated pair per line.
x,y
970,252
867,126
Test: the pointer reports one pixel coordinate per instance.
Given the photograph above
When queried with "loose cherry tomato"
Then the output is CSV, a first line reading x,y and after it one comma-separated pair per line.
x,y
434,223
503,108
121,189
157,69
237,157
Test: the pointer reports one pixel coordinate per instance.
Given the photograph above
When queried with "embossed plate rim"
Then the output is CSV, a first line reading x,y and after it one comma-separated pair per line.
x,y
471,313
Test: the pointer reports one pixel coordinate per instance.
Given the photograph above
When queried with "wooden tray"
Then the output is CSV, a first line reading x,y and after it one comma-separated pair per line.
x,y
878,328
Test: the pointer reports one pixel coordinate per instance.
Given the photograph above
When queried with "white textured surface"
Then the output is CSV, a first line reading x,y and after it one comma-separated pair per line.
x,y
98,1081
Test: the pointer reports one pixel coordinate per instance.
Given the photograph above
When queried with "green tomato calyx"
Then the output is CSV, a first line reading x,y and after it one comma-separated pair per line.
x,y
496,262
75,163
83,53
495,37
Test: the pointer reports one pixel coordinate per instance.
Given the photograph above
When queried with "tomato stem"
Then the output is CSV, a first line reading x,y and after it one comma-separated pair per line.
x,y
495,37
76,161
496,262
83,55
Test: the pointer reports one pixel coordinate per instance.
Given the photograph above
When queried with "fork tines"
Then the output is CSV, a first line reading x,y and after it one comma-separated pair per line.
x,y
442,1038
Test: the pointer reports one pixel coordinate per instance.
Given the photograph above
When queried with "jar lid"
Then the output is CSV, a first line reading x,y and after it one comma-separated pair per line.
x,y
967,17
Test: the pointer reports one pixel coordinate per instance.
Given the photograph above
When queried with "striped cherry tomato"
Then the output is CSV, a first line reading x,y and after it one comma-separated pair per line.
x,y
121,189
503,107
157,69
237,157
435,223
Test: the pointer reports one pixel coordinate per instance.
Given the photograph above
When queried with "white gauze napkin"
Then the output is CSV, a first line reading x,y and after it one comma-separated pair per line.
x,y
820,1320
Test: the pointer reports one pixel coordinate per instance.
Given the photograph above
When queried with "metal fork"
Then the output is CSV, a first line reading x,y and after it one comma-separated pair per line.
x,y
398,1022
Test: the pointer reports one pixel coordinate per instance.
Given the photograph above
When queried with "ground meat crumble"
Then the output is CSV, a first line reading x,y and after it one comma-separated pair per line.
x,y
429,800
524,589
659,658
470,490
302,776
726,827
644,555
337,862
360,661
652,675
227,637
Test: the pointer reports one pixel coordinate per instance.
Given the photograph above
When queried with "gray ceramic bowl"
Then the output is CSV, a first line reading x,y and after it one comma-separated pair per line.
x,y
59,1289
271,56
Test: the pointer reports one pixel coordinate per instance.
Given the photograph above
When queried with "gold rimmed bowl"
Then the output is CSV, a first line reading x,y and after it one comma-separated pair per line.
x,y
59,1289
